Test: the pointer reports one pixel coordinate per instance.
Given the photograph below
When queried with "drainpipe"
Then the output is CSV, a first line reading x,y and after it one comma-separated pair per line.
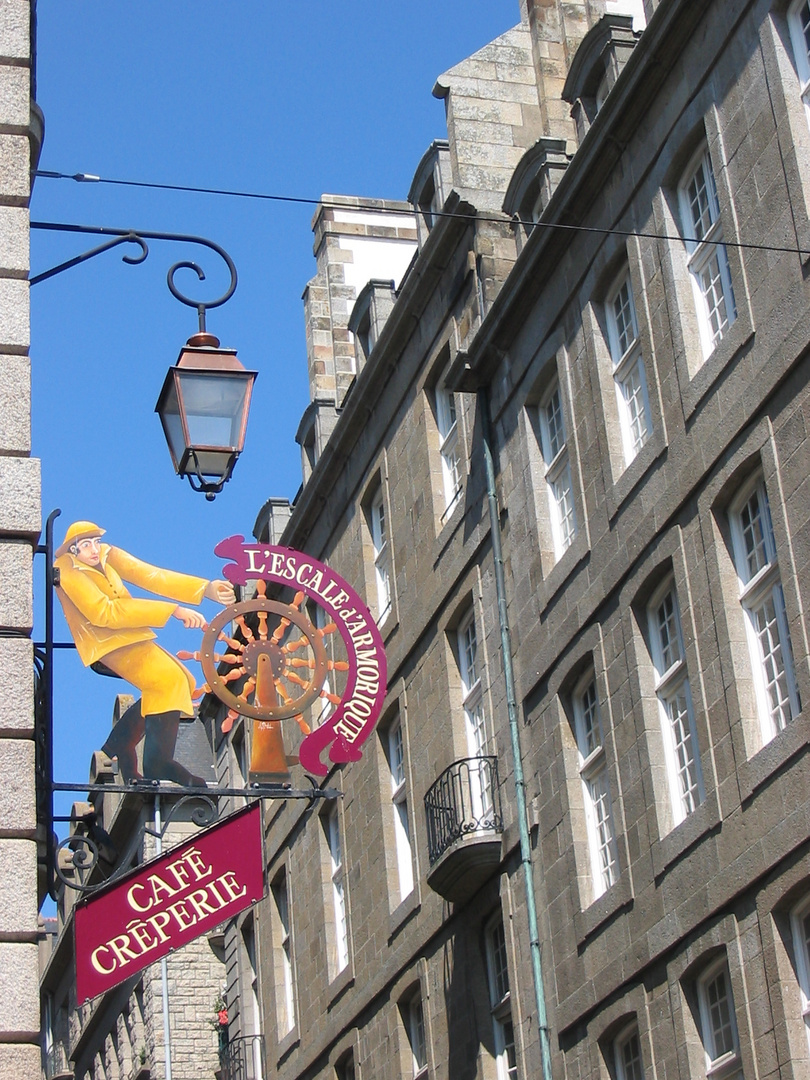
x,y
514,731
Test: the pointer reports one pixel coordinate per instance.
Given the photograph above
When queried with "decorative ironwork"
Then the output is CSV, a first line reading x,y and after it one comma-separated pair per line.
x,y
56,1065
243,1059
464,800
139,237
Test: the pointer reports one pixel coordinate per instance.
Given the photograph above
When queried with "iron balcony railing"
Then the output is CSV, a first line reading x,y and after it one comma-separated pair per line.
x,y
464,800
243,1059
55,1062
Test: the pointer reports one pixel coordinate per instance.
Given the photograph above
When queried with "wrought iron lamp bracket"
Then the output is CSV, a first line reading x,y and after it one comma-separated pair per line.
x,y
139,237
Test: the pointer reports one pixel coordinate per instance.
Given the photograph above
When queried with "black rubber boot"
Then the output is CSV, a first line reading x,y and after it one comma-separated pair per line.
x,y
158,751
123,739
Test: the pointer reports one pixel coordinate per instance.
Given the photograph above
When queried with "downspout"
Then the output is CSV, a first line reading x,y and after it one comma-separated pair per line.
x,y
514,732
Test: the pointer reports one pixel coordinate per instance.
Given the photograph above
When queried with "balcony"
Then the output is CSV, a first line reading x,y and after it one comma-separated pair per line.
x,y
243,1059
464,826
55,1063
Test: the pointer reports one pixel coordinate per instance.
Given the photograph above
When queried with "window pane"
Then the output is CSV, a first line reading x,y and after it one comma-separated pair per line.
x,y
625,319
702,199
668,635
766,626
678,711
718,1000
554,425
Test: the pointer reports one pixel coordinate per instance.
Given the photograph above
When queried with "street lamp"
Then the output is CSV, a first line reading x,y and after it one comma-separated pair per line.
x,y
203,407
205,399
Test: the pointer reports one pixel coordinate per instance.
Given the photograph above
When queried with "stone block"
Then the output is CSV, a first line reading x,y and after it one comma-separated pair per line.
x,y
14,247
20,1061
15,31
17,796
20,506
14,168
16,686
15,404
19,988
14,313
16,587
15,108
18,908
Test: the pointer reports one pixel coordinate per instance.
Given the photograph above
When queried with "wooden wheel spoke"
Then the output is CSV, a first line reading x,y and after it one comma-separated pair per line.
x,y
338,665
278,634
262,626
299,661
261,587
234,644
243,626
334,698
299,643
233,675
227,723
290,676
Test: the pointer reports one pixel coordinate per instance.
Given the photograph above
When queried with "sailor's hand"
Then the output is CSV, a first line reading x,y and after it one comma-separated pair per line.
x,y
190,619
221,592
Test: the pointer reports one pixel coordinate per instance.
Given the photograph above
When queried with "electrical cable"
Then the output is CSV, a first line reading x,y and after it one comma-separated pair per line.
x,y
375,208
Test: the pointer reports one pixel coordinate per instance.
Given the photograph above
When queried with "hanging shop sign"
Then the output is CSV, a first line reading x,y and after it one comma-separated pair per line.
x,y
168,902
286,670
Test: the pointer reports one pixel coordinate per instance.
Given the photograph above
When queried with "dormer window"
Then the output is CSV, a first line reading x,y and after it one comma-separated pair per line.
x,y
534,181
367,319
431,185
596,66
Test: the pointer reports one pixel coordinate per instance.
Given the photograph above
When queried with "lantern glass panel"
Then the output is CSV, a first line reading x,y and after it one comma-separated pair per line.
x,y
173,424
214,407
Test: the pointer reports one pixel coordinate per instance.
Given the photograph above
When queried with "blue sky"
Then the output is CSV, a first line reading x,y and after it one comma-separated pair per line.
x,y
295,99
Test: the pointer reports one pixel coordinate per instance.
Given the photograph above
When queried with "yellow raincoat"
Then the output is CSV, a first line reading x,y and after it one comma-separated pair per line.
x,y
108,623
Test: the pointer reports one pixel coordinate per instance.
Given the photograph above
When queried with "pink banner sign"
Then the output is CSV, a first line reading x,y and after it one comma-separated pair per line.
x,y
354,718
168,902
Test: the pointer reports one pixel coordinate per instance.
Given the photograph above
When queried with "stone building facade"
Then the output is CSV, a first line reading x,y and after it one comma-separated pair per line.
x,y
608,294
20,142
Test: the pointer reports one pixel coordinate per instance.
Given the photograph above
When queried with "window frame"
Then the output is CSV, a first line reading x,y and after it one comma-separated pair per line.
x,y
702,243
756,589
670,678
620,1043
500,999
378,521
627,360
602,846
801,950
337,877
416,1031
558,474
476,728
284,945
801,49
395,743
726,1064
448,425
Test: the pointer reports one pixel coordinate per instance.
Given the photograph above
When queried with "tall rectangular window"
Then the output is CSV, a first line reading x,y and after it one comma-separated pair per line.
x,y
675,704
595,787
718,1025
763,604
251,998
557,470
285,999
628,368
800,924
338,891
414,1017
382,554
500,1001
707,257
627,1055
799,23
399,802
449,446
474,719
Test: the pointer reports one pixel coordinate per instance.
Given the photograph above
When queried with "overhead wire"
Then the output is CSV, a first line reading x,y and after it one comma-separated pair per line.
x,y
373,207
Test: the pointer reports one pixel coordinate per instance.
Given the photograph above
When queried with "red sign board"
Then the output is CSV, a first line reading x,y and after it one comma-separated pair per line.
x,y
168,902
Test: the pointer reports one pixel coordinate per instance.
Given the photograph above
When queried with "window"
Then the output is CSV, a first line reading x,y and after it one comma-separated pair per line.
x,y
557,470
800,924
344,1070
449,447
399,802
382,554
675,704
627,1055
707,258
341,958
595,787
763,604
414,1017
480,777
285,1002
500,1001
254,1011
717,1023
799,23
628,368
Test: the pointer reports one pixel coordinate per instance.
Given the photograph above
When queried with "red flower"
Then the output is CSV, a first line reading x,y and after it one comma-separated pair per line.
x,y
222,1017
